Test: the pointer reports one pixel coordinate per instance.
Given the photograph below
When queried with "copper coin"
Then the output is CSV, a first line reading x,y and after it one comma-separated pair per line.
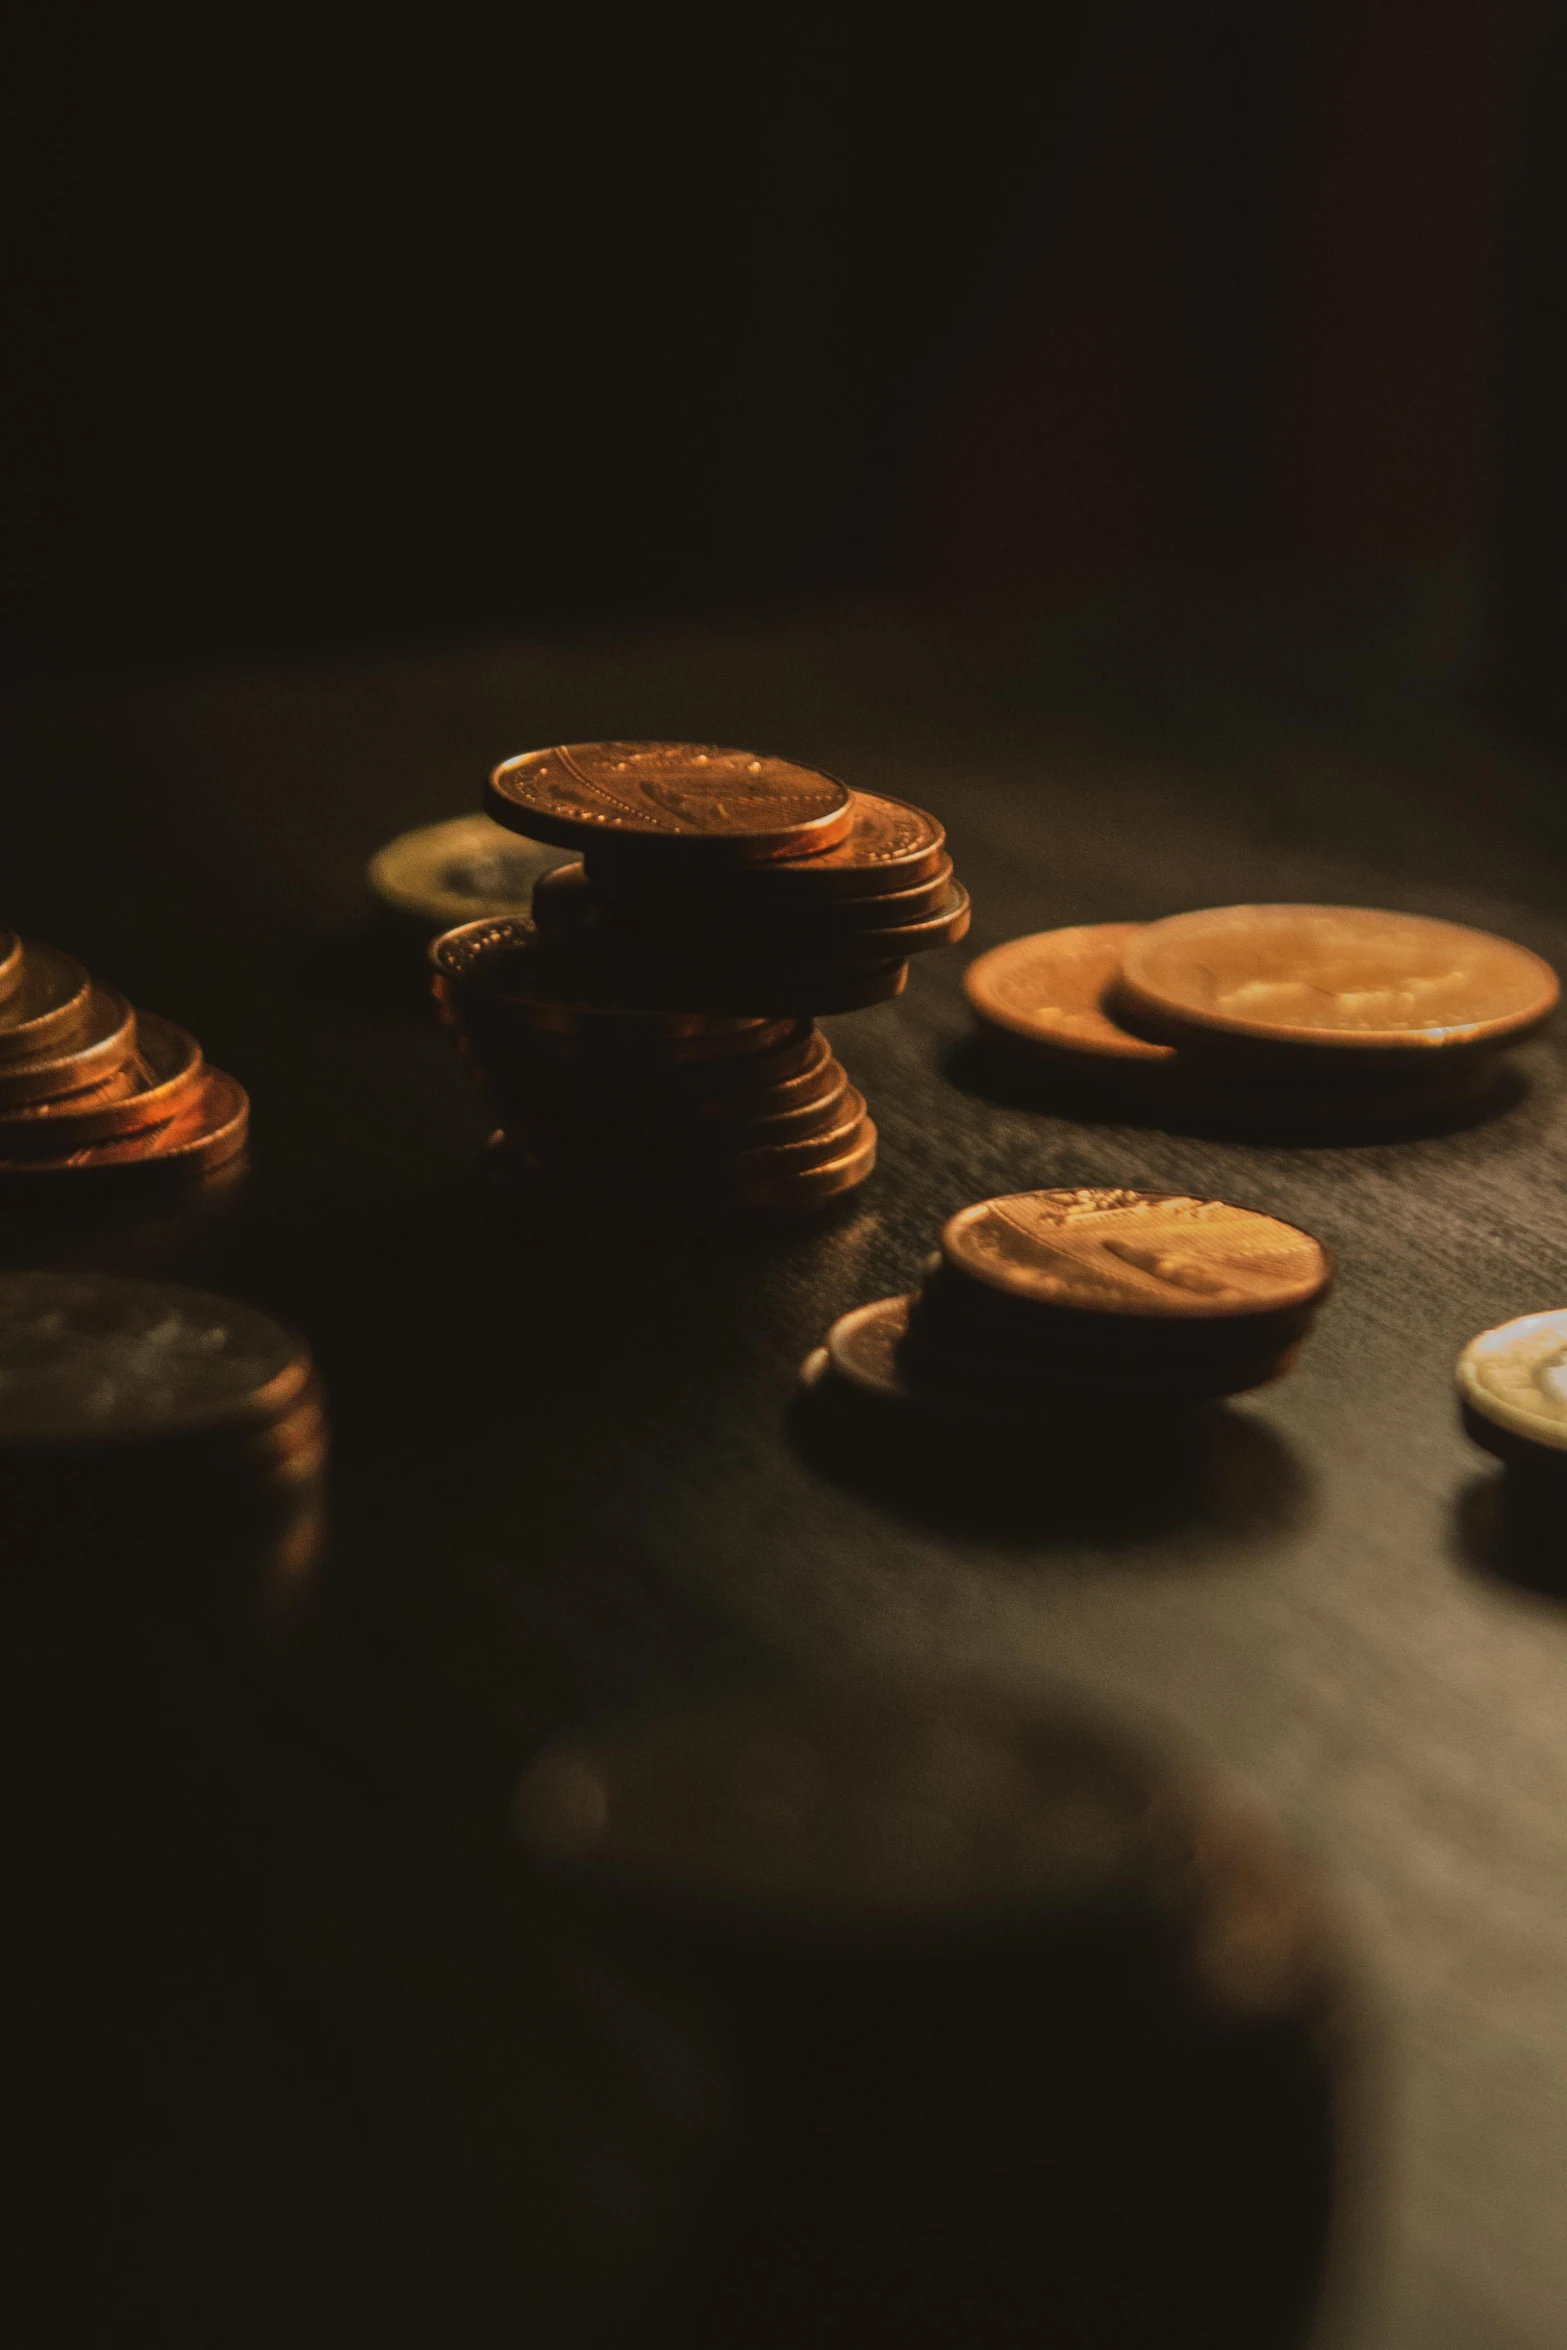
x,y
106,1042
809,1188
10,961
570,1078
1136,1253
806,988
844,946
1345,978
1051,987
729,1121
888,846
674,797
507,970
161,1078
1072,1380
93,1358
836,1141
209,1130
459,871
724,907
1512,1384
48,1008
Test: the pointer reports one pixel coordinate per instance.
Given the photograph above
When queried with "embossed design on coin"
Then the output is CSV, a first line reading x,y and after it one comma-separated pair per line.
x,y
1136,1253
1343,976
1516,1377
687,793
1051,987
87,1356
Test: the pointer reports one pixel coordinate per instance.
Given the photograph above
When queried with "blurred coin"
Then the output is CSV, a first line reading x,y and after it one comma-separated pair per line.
x,y
10,960
1342,982
459,871
808,1188
1134,1253
106,1042
888,846
49,1006
162,1077
678,798
1050,988
1512,1385
209,1128
504,970
802,1152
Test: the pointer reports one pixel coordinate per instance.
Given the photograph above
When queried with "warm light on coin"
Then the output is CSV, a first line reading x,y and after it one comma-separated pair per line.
x,y
1051,988
1516,1377
675,795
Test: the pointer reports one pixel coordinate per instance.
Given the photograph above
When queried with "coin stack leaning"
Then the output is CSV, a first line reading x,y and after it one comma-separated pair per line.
x,y
650,1035
1284,1018
94,1093
1086,1302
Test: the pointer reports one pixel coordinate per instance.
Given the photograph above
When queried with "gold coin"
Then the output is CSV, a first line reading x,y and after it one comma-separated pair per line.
x,y
1051,988
48,1007
673,796
106,1043
1135,1253
1513,1383
459,871
1346,978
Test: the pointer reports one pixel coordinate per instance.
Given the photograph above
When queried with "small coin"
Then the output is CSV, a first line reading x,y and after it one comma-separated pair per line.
x,y
1051,988
106,1042
808,1188
10,961
670,796
209,1130
48,1008
89,1358
1345,978
1512,1382
1144,1254
889,846
159,1080
459,871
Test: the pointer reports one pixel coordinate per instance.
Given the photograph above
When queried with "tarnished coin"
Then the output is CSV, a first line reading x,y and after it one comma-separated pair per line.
x,y
1051,988
1135,1253
160,1079
48,1007
10,961
889,847
105,1045
1345,979
1512,1385
92,1358
671,796
459,871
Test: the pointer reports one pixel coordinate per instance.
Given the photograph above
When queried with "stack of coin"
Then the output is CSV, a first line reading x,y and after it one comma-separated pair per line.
x,y
150,1395
1512,1391
650,1035
93,1092
1086,1302
710,1111
1287,1018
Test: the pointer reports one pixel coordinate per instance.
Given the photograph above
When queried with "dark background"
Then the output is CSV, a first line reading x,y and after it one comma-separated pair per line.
x,y
329,335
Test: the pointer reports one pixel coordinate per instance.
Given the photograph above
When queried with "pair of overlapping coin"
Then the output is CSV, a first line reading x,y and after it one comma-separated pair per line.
x,y
1283,1017
704,1111
1087,1301
92,1091
147,1389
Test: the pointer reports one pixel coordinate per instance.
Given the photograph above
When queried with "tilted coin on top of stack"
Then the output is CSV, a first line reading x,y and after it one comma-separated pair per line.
x,y
1086,1301
93,1093
1285,1017
650,1034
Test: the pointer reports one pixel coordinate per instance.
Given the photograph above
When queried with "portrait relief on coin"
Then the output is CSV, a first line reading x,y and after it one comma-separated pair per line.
x,y
1130,1252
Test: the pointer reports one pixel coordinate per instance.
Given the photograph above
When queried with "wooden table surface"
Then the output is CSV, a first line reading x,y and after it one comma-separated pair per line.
x,y
564,1474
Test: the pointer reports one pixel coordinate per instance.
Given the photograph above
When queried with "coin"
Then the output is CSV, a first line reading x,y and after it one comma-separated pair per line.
x,y
161,1078
889,846
10,960
1512,1385
106,1042
48,1007
812,1187
93,1358
505,968
677,797
735,940
1050,988
1345,980
1150,1255
210,1129
459,871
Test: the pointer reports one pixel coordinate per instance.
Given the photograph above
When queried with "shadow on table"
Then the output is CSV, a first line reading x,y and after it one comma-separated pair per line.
x,y
1512,1532
1007,1074
1215,1470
